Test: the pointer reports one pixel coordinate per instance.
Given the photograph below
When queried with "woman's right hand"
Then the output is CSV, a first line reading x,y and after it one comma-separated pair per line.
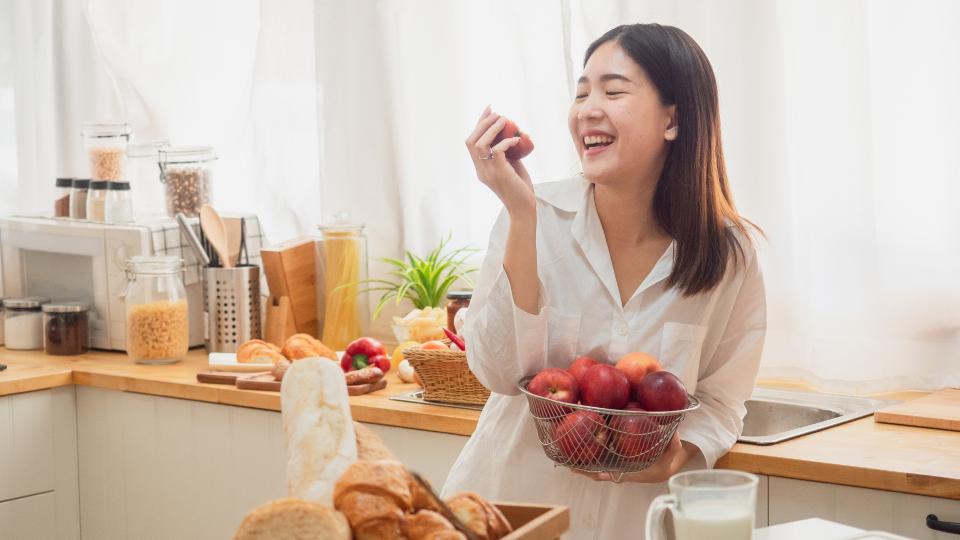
x,y
509,180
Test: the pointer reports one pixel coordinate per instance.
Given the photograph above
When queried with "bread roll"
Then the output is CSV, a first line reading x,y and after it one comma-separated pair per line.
x,y
293,519
478,515
427,524
300,346
257,351
318,428
370,446
383,478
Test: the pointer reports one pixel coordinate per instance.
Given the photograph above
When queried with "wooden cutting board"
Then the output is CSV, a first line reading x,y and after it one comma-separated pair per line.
x,y
267,382
224,377
939,410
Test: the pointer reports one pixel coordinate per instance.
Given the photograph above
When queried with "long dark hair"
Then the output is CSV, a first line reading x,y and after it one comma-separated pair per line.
x,y
692,200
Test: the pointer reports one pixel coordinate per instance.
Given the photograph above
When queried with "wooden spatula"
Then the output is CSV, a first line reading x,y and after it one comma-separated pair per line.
x,y
216,233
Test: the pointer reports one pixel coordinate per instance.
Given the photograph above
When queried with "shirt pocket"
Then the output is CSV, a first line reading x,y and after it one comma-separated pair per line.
x,y
563,333
680,350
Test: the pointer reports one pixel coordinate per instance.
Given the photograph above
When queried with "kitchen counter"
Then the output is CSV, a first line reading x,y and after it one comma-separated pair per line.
x,y
860,453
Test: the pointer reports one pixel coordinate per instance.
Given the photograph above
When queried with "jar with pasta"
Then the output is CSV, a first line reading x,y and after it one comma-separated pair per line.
x,y
106,147
342,264
158,324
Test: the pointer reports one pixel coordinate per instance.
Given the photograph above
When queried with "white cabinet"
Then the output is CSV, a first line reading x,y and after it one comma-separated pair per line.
x,y
155,467
869,509
29,518
38,463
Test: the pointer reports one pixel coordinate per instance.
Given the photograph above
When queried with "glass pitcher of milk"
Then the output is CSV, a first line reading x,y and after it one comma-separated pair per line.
x,y
708,504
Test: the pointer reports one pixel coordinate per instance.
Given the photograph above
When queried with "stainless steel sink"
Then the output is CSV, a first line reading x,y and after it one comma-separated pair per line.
x,y
775,415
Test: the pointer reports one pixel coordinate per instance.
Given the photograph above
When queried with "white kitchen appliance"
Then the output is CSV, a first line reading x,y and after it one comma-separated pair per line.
x,y
65,259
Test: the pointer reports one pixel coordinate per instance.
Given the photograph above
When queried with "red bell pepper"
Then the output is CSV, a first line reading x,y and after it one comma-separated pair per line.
x,y
364,352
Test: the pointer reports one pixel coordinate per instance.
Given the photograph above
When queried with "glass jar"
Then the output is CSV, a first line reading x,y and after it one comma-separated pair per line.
x,y
78,198
106,146
158,325
143,158
97,201
61,200
186,173
119,204
1,321
23,323
456,300
66,328
342,253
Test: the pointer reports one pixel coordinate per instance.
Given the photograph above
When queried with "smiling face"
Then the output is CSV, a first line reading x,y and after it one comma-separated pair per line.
x,y
617,120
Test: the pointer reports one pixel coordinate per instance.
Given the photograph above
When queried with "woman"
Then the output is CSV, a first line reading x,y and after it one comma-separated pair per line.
x,y
644,251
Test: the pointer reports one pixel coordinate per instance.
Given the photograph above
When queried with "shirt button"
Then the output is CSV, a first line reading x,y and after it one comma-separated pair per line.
x,y
622,329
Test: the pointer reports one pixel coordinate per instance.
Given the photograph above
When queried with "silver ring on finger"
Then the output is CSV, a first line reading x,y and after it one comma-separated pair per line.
x,y
488,156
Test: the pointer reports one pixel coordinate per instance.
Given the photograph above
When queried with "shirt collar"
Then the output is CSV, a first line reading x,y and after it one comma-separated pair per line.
x,y
567,195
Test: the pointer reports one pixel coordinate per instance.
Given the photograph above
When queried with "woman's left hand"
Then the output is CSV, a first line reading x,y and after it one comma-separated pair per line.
x,y
671,462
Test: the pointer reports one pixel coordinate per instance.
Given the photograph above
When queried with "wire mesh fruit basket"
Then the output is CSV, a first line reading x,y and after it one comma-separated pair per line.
x,y
602,440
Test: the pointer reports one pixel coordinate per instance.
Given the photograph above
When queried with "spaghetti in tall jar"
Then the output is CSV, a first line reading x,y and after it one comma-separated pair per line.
x,y
343,259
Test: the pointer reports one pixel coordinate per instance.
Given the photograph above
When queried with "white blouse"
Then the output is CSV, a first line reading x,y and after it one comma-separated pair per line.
x,y
712,341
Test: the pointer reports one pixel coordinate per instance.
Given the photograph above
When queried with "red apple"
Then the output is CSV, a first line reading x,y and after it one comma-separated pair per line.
x,y
606,387
580,366
632,436
581,437
636,366
556,384
662,391
633,406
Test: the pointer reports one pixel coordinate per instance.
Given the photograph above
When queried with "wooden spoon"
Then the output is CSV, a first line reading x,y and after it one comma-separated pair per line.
x,y
216,232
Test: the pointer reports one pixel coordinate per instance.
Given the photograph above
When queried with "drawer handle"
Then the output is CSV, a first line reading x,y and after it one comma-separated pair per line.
x,y
942,526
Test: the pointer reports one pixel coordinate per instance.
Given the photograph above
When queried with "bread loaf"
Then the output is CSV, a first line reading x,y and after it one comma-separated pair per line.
x,y
428,524
293,519
478,515
318,428
300,346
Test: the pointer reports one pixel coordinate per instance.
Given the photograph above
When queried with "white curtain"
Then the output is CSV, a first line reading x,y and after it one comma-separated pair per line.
x,y
839,124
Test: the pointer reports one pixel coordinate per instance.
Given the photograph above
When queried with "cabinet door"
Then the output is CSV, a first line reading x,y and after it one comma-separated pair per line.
x,y
26,444
29,518
869,509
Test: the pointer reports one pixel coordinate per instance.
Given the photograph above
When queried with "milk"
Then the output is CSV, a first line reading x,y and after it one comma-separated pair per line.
x,y
713,520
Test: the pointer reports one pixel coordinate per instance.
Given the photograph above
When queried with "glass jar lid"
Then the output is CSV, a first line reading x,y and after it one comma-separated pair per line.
x,y
149,148
29,302
118,186
155,265
81,183
64,182
459,295
100,130
66,307
340,225
99,184
186,154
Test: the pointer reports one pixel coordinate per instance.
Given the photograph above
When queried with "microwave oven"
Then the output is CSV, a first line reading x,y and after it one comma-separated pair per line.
x,y
73,260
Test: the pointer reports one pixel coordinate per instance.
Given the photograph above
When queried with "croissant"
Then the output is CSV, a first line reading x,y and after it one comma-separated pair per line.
x,y
300,346
478,515
258,352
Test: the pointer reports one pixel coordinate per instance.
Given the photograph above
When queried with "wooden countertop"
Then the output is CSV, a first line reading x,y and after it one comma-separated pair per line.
x,y
860,453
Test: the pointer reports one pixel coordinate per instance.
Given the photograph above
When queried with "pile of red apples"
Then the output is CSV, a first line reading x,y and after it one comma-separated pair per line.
x,y
635,383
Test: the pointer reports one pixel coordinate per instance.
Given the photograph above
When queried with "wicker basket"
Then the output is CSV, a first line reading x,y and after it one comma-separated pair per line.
x,y
446,376
602,440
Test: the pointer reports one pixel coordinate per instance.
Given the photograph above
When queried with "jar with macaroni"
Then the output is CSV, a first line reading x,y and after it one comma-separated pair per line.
x,y
158,323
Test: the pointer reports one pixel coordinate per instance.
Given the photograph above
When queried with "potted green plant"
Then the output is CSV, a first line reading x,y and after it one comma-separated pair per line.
x,y
424,281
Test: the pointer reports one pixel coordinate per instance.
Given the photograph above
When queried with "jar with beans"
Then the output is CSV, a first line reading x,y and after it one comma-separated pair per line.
x,y
66,328
186,173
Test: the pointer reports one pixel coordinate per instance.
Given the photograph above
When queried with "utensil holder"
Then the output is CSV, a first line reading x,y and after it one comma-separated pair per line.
x,y
232,306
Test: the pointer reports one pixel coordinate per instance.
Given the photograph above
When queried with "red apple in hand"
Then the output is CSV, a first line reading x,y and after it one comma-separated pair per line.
x,y
636,366
662,391
632,436
606,387
581,437
580,366
519,150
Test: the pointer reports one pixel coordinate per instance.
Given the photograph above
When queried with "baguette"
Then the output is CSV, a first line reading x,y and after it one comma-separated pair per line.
x,y
320,440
